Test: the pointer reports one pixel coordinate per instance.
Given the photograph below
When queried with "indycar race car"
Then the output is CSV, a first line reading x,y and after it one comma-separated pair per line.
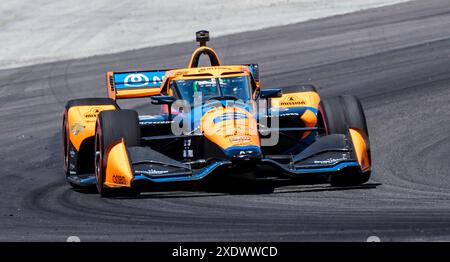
x,y
215,121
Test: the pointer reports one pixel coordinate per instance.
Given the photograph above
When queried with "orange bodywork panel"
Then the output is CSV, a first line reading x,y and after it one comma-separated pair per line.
x,y
118,171
359,143
310,120
81,122
230,126
299,99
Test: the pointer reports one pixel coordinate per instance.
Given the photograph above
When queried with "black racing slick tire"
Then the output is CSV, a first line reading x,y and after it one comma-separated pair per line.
x,y
112,126
333,116
343,112
67,146
354,113
338,114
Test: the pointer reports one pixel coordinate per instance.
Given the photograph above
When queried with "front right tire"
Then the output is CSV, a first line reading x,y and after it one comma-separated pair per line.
x,y
338,115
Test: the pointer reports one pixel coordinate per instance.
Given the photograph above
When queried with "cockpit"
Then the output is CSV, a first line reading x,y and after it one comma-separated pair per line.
x,y
190,90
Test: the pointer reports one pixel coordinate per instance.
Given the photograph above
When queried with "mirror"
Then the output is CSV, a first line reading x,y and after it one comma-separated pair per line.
x,y
270,93
162,100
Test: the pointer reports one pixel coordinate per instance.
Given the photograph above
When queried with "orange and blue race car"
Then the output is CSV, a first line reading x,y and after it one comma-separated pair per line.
x,y
215,121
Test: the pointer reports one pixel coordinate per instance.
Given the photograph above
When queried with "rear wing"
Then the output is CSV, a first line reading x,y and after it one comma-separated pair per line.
x,y
137,84
134,84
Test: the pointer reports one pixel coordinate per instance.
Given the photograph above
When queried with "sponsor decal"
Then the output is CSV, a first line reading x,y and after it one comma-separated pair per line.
x,y
229,116
151,172
136,80
330,161
211,68
289,114
148,117
117,179
292,100
239,139
77,128
188,153
155,123
92,113
248,152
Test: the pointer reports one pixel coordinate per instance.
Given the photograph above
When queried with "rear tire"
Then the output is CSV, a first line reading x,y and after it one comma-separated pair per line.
x,y
112,126
333,116
354,113
339,114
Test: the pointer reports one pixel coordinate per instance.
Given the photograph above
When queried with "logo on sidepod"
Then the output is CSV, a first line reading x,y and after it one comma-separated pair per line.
x,y
292,100
77,128
136,80
92,113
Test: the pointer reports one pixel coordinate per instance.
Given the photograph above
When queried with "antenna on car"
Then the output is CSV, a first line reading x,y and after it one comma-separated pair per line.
x,y
202,37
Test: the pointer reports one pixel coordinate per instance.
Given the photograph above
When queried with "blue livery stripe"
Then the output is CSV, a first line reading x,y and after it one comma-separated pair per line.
x,y
335,168
150,79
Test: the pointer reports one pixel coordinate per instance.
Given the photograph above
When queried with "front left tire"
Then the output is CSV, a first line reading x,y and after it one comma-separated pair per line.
x,y
72,162
112,126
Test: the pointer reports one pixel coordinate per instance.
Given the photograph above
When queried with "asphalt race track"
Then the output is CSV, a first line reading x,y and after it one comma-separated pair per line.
x,y
396,59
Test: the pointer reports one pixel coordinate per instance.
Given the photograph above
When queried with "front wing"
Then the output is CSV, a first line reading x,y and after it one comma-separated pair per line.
x,y
128,166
